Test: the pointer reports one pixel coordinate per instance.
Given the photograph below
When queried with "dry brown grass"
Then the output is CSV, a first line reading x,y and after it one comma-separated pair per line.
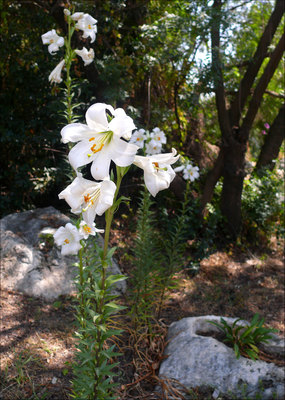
x,y
37,343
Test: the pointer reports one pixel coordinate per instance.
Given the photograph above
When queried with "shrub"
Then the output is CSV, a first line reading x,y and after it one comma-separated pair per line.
x,y
263,204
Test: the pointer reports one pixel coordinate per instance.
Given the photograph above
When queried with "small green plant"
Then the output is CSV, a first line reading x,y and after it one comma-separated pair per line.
x,y
146,258
21,363
245,339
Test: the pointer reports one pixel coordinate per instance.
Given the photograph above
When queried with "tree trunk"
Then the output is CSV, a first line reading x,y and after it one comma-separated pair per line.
x,y
273,142
211,179
233,173
234,137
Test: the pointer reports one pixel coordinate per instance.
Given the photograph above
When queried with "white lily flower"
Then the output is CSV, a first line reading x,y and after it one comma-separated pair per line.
x,y
53,40
55,75
77,16
189,172
68,238
153,147
87,56
85,229
87,24
138,137
89,197
99,140
158,174
158,136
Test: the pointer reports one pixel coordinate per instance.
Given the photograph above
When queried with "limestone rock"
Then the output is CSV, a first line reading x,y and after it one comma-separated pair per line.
x,y
29,264
196,360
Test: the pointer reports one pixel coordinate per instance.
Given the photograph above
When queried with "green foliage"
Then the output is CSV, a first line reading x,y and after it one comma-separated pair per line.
x,y
146,259
31,154
245,339
158,252
173,244
263,203
93,369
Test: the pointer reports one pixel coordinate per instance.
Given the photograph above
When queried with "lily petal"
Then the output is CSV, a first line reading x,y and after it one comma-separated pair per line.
x,y
122,153
96,117
78,155
122,125
75,132
73,193
100,166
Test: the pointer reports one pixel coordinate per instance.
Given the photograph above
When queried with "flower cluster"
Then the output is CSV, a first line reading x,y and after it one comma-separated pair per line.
x,y
80,21
69,236
106,136
188,170
152,141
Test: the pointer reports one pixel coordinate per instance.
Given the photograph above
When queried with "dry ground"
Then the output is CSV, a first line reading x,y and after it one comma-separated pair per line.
x,y
37,343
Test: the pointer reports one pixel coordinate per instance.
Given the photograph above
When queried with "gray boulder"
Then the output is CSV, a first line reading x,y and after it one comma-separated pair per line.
x,y
30,264
195,360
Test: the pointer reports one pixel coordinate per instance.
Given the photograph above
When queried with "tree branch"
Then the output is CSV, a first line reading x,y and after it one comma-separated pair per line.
x,y
255,64
273,141
274,94
260,89
240,5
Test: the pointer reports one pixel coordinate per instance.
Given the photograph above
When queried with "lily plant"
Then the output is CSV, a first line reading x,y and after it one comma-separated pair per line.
x,y
108,136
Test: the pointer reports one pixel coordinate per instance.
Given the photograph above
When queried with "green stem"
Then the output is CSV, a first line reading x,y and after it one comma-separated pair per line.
x,y
68,61
109,218
81,281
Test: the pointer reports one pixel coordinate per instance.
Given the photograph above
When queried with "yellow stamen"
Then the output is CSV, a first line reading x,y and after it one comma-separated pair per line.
x,y
66,241
87,229
96,151
90,199
92,138
87,198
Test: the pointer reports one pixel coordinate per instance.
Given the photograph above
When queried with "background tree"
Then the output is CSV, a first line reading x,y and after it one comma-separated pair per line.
x,y
208,74
235,130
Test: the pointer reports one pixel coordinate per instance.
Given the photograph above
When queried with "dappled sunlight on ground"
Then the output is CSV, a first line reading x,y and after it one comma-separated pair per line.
x,y
37,343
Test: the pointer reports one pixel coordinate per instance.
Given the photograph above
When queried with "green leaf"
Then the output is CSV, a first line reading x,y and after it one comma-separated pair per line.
x,y
247,332
254,319
111,279
254,347
111,252
237,351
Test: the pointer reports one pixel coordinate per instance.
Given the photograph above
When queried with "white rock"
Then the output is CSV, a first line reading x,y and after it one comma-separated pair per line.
x,y
31,267
200,361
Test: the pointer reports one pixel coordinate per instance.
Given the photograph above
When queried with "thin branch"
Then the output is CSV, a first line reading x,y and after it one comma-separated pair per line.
x,y
240,5
244,63
274,94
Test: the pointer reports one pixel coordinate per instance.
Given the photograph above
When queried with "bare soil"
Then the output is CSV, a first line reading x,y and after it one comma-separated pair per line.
x,y
37,343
